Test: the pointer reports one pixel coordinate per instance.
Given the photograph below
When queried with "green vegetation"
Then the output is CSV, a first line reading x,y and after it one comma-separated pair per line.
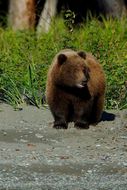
x,y
24,59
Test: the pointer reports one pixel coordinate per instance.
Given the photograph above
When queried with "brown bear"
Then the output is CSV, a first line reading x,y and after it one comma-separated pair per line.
x,y
75,89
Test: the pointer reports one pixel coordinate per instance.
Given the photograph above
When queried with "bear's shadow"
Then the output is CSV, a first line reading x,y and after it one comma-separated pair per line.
x,y
107,116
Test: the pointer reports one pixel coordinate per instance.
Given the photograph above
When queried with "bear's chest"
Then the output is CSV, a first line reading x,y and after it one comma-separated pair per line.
x,y
79,93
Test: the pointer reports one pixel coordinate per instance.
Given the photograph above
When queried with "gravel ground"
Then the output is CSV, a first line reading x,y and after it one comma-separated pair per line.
x,y
34,156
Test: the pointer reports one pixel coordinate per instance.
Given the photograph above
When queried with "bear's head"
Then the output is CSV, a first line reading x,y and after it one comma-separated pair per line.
x,y
72,69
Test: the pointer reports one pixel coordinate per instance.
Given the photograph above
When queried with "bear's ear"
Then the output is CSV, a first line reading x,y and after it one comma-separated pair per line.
x,y
62,58
82,54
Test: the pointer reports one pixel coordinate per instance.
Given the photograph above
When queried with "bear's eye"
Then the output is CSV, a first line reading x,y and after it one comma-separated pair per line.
x,y
86,71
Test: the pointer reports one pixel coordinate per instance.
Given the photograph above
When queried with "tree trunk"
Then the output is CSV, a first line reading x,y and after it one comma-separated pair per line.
x,y
48,12
21,14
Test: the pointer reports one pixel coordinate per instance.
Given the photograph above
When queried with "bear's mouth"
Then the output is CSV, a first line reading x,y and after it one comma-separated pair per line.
x,y
79,85
82,84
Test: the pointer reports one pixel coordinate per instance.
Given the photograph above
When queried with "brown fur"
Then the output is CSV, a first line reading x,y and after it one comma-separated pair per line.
x,y
75,89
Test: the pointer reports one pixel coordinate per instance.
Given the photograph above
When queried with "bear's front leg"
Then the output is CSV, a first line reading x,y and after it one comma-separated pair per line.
x,y
60,122
59,112
81,124
82,112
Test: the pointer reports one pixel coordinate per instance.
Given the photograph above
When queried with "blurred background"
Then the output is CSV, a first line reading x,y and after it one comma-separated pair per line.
x,y
22,14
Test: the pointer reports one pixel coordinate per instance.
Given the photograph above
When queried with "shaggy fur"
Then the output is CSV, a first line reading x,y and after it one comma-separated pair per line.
x,y
75,89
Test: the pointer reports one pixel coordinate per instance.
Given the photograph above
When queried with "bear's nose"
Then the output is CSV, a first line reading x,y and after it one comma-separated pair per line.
x,y
84,82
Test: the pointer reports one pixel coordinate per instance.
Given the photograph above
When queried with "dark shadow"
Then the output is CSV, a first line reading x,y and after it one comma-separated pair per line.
x,y
107,116
85,9
3,12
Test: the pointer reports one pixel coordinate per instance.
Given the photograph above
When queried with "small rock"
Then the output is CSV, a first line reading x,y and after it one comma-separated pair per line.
x,y
39,136
125,164
98,145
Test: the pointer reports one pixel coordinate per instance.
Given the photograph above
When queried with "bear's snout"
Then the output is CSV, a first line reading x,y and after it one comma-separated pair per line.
x,y
84,82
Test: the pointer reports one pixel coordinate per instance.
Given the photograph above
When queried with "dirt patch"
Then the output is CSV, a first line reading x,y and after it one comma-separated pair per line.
x,y
34,156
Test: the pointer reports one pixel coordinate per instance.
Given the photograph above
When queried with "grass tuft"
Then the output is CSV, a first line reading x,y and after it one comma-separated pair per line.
x,y
24,59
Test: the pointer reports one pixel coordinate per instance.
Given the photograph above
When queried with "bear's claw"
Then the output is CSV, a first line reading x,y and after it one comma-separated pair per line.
x,y
82,125
60,126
